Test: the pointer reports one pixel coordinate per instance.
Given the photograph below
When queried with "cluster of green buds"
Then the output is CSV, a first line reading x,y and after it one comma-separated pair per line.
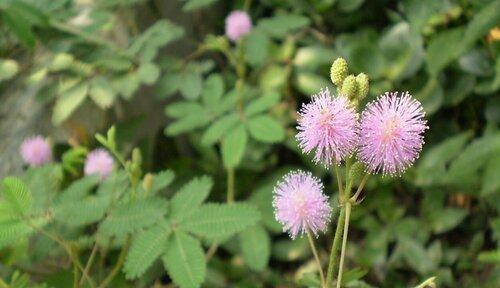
x,y
353,87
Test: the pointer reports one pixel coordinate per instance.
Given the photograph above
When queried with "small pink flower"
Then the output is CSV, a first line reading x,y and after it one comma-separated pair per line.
x,y
36,151
300,205
391,133
238,24
99,162
329,125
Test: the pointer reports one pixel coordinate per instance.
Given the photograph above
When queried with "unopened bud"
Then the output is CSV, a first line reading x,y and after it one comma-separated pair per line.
x,y
349,87
338,71
147,182
363,85
356,172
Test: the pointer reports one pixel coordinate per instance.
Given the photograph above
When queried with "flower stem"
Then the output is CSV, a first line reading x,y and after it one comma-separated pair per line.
x,y
360,188
316,256
344,242
230,185
90,261
335,247
118,265
339,180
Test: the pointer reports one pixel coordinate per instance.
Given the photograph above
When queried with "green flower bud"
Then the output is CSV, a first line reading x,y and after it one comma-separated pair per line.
x,y
349,87
363,85
338,72
136,156
356,173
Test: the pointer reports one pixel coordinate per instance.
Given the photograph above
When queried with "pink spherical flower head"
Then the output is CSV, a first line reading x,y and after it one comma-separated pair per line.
x,y
329,125
99,162
391,133
300,205
36,151
238,23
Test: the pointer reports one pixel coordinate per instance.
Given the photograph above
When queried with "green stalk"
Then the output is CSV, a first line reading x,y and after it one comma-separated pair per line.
x,y
316,257
344,242
335,248
230,185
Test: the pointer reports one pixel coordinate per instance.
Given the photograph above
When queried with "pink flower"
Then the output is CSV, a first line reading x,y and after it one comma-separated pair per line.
x,y
36,151
300,205
391,133
329,125
99,162
238,23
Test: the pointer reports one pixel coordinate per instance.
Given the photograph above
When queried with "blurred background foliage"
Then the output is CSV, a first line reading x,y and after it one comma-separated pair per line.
x,y
229,112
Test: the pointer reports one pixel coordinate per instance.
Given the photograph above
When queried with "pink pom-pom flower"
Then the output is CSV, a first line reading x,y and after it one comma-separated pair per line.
x,y
329,125
300,205
391,133
238,24
99,162
36,151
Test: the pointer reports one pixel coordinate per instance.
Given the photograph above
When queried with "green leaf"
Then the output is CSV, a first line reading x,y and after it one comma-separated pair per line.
x,y
490,256
448,40
190,84
491,181
265,129
190,196
148,73
12,231
234,146
19,26
281,25
261,104
101,92
462,87
17,195
311,57
472,158
257,47
149,42
256,247
213,90
353,275
184,260
349,6
67,103
308,83
431,167
263,199
162,180
196,4
167,85
416,256
219,128
481,23
446,219
215,221
132,216
182,108
85,211
145,249
188,123
126,85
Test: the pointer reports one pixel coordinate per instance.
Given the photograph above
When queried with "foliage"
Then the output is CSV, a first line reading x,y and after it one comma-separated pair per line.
x,y
228,128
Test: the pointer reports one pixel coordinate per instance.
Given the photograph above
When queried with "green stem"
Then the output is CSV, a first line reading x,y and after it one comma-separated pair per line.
x,y
89,262
316,256
339,180
335,248
354,198
118,265
344,242
230,185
